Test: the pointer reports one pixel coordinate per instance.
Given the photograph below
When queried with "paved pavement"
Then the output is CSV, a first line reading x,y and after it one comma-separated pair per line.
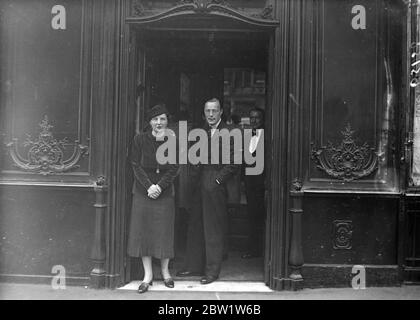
x,y
45,292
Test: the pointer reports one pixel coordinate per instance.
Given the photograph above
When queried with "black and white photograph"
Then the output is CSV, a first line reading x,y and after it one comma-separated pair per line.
x,y
213,150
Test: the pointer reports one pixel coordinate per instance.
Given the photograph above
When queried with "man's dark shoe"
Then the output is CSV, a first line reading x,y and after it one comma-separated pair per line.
x,y
250,255
188,273
208,279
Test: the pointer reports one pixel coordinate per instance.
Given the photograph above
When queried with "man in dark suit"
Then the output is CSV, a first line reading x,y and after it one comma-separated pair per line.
x,y
255,190
209,220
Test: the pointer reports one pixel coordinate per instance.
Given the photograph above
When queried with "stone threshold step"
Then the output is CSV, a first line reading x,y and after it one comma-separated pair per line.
x,y
217,286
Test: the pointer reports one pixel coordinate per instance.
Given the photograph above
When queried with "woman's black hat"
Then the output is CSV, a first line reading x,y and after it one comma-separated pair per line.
x,y
156,110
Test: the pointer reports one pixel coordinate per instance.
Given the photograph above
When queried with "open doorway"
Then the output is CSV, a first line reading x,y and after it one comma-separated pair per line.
x,y
184,69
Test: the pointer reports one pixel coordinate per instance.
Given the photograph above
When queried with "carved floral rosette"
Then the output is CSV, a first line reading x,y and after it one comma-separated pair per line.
x,y
347,161
46,155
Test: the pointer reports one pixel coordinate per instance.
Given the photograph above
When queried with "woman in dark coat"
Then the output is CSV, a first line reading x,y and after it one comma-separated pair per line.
x,y
153,213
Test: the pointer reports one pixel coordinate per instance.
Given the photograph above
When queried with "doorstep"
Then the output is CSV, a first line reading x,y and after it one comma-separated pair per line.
x,y
191,286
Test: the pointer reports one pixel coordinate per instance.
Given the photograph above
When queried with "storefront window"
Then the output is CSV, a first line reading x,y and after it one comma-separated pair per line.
x,y
42,98
416,141
415,87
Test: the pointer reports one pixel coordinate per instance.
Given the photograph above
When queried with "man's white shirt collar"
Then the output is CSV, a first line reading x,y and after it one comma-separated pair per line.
x,y
254,141
217,124
214,128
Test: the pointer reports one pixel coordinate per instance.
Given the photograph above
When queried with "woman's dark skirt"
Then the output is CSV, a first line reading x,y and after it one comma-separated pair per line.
x,y
152,225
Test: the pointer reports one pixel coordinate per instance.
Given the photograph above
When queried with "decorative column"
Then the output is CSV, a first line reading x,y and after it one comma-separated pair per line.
x,y
295,252
97,275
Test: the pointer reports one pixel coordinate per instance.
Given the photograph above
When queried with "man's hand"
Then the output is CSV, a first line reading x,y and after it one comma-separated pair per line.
x,y
154,191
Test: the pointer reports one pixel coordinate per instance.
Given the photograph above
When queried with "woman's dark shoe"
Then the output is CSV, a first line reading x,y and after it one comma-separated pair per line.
x,y
144,286
169,283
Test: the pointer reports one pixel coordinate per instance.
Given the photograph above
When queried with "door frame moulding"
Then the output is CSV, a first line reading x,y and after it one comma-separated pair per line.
x,y
283,223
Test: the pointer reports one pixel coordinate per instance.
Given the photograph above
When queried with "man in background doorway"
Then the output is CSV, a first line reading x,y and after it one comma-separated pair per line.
x,y
254,191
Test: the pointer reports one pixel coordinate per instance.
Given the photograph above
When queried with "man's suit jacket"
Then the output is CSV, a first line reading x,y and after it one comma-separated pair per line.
x,y
226,172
